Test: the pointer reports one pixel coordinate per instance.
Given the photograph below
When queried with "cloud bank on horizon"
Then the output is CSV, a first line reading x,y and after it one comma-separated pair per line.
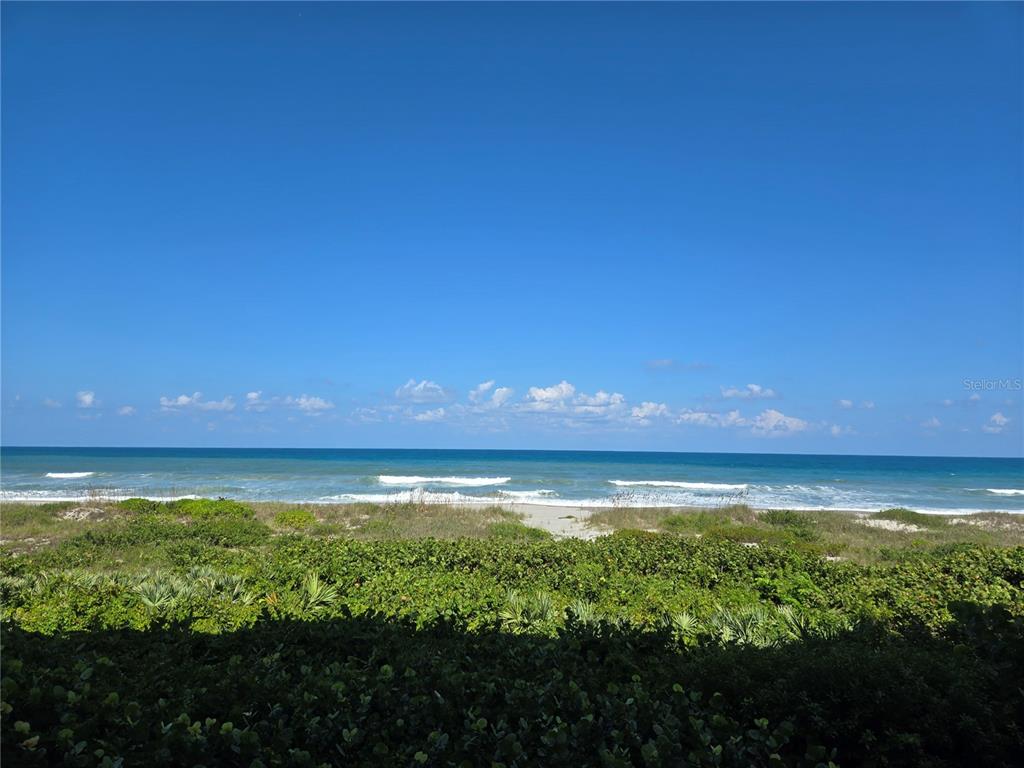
x,y
558,408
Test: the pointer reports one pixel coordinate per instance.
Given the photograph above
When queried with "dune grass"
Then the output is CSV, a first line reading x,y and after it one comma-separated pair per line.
x,y
833,534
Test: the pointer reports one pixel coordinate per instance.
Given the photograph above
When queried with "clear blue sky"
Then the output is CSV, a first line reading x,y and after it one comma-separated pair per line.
x,y
781,227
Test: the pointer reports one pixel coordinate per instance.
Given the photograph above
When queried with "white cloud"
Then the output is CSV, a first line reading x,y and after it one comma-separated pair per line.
x,y
126,410
254,401
974,398
773,423
422,392
836,431
845,404
750,392
309,404
551,394
50,403
648,410
195,401
479,392
996,423
932,423
600,403
868,405
549,398
437,414
947,402
86,399
501,396
709,419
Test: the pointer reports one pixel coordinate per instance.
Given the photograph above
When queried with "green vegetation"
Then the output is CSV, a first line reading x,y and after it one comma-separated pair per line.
x,y
886,536
296,519
217,633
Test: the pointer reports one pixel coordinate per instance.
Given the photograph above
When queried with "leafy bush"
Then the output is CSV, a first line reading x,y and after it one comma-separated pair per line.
x,y
296,519
204,509
604,652
138,506
513,529
785,518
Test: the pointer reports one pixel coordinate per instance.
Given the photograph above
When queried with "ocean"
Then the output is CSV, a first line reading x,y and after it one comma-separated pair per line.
x,y
556,478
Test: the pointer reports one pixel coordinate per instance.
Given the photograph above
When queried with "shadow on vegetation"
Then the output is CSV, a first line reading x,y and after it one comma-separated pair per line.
x,y
371,690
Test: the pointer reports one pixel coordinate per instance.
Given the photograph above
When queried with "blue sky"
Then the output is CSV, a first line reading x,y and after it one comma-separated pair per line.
x,y
658,226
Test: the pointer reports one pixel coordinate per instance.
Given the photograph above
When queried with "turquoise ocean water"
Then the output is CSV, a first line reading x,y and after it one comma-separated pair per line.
x,y
558,478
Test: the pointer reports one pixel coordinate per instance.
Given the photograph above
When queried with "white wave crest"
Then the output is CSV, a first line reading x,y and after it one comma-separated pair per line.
x,y
98,495
681,484
1006,491
469,482
69,475
523,495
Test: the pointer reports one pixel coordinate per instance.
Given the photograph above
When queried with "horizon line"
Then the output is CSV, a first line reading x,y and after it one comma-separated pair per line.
x,y
498,450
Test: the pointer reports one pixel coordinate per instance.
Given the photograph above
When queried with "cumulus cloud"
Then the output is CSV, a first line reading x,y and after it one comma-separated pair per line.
x,y
86,399
501,395
254,401
932,423
710,419
479,392
974,398
549,398
868,405
437,414
195,402
996,423
50,403
750,392
648,410
424,391
309,404
126,410
555,393
835,430
600,403
845,404
947,402
774,423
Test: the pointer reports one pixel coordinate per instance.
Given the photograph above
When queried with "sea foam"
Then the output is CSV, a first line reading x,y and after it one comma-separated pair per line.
x,y
69,475
470,482
681,484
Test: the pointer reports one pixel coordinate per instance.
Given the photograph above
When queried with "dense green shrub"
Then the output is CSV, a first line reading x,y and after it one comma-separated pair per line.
x,y
296,519
144,637
513,529
138,505
205,509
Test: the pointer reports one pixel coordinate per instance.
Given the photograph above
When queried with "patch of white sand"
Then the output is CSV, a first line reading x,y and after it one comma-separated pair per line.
x,y
562,522
890,525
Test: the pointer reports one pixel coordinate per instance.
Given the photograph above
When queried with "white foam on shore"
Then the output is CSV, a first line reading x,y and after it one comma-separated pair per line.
x,y
540,493
469,482
69,475
95,494
681,484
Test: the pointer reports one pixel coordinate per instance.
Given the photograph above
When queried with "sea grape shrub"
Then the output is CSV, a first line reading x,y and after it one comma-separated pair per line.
x,y
394,696
138,506
207,509
296,519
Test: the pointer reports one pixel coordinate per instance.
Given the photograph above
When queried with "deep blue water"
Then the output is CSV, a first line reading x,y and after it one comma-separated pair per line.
x,y
545,477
